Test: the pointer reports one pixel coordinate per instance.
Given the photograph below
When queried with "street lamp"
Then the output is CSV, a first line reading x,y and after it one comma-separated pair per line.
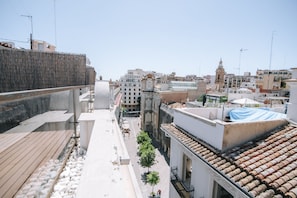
x,y
31,34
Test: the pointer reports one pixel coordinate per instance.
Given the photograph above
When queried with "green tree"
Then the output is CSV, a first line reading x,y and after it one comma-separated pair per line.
x,y
153,179
147,158
143,137
144,147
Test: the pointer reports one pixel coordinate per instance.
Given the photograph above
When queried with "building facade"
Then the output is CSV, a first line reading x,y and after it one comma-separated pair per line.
x,y
220,76
157,106
272,79
211,158
130,85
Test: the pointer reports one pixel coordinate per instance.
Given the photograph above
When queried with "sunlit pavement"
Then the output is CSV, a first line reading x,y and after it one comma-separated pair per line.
x,y
161,165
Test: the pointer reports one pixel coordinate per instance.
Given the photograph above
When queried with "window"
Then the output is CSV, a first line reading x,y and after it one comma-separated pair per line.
x,y
220,192
40,46
187,170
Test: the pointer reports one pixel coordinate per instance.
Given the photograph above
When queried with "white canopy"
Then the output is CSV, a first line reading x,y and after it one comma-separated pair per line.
x,y
245,101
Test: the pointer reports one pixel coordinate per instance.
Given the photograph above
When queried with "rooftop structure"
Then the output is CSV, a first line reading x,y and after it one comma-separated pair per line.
x,y
210,122
211,156
107,171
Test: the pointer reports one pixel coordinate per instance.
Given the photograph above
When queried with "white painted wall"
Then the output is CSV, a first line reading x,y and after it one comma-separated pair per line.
x,y
86,128
209,131
203,176
102,95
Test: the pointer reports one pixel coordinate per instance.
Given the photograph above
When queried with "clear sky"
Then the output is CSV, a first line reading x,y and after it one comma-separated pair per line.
x,y
182,36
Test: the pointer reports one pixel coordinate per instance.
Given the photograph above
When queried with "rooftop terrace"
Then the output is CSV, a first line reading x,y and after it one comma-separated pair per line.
x,y
208,125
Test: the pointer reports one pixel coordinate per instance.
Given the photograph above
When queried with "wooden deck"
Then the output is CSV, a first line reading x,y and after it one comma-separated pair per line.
x,y
22,153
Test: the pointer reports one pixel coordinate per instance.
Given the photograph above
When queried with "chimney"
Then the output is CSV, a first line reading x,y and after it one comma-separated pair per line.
x,y
292,105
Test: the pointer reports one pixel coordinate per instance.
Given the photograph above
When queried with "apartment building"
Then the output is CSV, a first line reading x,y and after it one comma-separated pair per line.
x,y
130,85
272,79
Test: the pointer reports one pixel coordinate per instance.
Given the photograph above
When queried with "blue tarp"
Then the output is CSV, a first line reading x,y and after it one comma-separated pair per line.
x,y
254,114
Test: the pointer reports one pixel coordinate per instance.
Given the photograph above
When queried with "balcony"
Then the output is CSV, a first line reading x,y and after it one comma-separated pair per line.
x,y
184,189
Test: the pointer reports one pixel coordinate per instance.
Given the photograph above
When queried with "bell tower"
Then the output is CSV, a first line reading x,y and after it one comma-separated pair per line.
x,y
146,104
220,76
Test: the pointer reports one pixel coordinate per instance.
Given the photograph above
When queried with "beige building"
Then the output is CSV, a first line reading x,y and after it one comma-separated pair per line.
x,y
42,46
152,99
272,79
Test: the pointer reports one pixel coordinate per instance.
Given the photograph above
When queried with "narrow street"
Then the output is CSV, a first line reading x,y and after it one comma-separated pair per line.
x,y
161,165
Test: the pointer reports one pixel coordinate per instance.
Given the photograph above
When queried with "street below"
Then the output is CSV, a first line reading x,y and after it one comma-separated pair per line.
x,y
160,165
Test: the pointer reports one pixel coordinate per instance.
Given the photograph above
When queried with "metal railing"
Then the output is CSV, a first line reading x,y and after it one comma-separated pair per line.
x,y
184,189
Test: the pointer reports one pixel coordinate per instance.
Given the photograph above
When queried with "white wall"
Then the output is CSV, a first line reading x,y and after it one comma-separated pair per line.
x,y
102,95
86,128
203,176
207,130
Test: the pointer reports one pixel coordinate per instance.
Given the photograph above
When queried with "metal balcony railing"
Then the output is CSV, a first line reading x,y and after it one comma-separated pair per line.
x,y
184,190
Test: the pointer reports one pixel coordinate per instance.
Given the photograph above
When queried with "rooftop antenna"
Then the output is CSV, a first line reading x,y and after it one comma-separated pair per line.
x,y
270,58
55,23
271,44
240,52
31,34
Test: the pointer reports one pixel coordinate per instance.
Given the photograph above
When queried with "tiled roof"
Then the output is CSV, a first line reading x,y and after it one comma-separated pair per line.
x,y
265,167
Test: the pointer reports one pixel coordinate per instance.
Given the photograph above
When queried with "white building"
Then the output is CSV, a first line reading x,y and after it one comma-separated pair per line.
x,y
131,89
210,157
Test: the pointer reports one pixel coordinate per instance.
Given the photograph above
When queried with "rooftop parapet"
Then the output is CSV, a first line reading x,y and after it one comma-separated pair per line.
x,y
204,123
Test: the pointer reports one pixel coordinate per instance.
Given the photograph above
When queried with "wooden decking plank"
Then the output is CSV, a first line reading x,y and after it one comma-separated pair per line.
x,y
10,149
41,158
60,142
8,139
66,138
26,165
26,155
57,145
27,168
17,152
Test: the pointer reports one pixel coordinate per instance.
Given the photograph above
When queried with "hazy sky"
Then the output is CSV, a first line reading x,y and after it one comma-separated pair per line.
x,y
182,36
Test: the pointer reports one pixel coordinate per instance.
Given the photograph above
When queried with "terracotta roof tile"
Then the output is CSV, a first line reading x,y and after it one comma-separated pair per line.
x,y
258,190
245,180
229,169
292,193
219,163
234,172
267,193
264,167
252,185
239,176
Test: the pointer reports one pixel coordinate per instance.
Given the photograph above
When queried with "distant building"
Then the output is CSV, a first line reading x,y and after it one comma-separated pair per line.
x,y
152,99
131,89
214,157
272,79
42,46
235,82
220,76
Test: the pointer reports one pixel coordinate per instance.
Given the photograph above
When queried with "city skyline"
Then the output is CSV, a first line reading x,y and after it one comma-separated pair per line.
x,y
188,37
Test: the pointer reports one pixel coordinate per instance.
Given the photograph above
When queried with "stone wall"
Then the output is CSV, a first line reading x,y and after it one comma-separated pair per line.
x,y
27,69
90,76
